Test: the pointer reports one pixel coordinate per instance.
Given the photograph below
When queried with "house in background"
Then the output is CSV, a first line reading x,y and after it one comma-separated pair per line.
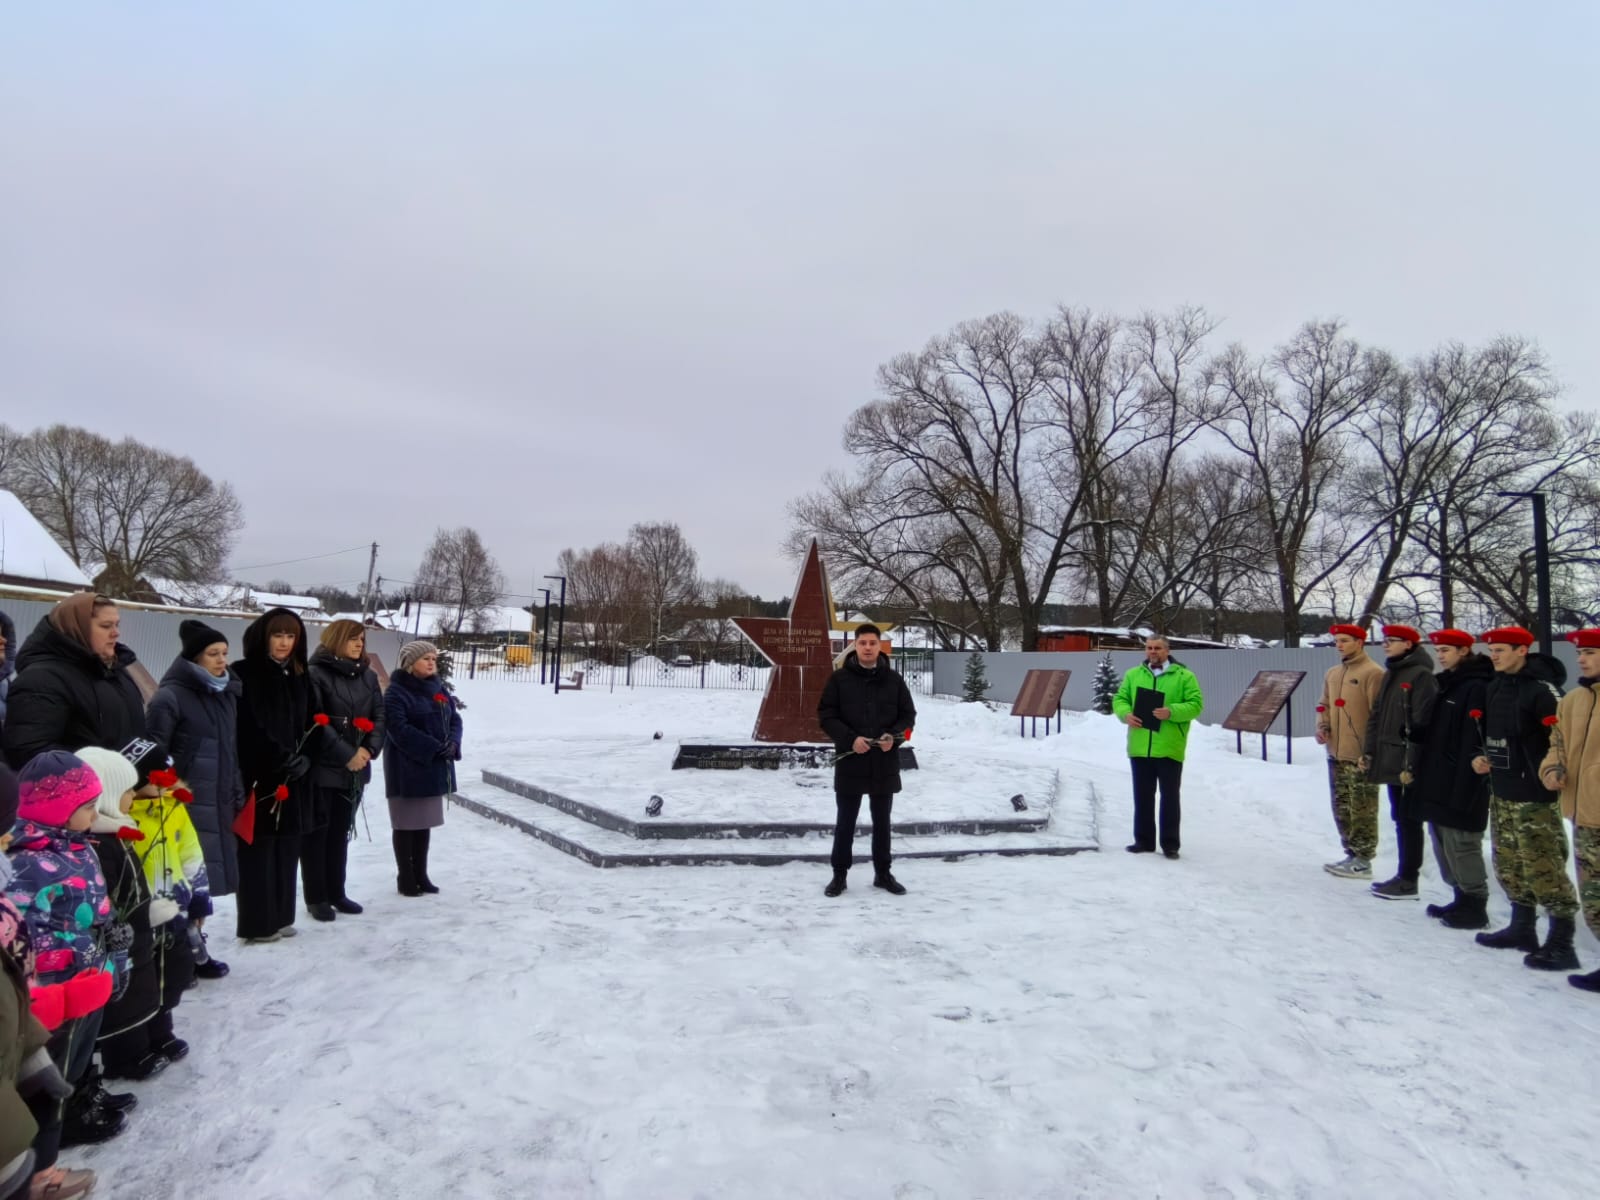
x,y
1093,637
29,556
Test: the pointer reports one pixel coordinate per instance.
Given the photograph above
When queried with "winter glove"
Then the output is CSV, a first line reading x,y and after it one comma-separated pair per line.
x,y
119,937
162,910
87,992
296,768
15,1174
49,1005
39,1073
451,752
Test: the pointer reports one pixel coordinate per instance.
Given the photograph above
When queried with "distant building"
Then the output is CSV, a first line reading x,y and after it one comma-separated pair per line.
x,y
30,557
1098,637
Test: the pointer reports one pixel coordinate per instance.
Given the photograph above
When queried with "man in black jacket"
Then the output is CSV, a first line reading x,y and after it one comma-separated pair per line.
x,y
1405,703
1530,844
866,709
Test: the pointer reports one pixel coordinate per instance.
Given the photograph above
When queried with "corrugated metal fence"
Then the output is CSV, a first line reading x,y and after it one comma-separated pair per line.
x,y
1223,675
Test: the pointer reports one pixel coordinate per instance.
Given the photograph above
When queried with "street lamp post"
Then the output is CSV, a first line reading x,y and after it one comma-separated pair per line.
x,y
1541,566
544,652
561,624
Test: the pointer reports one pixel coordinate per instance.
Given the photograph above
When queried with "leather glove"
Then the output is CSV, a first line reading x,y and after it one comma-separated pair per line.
x,y
39,1073
297,767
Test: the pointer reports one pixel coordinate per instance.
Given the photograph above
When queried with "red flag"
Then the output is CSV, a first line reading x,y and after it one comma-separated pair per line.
x,y
245,823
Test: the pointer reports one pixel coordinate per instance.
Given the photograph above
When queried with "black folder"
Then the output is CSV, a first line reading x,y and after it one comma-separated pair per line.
x,y
1145,702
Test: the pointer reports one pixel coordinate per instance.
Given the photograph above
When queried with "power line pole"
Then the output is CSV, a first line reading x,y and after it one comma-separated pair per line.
x,y
366,600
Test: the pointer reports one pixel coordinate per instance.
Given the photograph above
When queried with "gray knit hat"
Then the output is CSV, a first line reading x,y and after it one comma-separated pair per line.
x,y
411,651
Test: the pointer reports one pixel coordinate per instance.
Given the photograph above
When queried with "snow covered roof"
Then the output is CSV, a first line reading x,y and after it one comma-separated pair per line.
x,y
28,554
427,617
283,600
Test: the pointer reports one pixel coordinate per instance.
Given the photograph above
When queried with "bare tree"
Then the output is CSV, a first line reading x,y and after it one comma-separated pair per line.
x,y
10,445
668,570
127,510
605,591
457,569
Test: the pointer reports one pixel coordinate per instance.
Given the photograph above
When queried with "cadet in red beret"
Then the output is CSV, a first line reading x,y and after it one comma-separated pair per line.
x,y
1449,795
1528,839
1572,768
1349,692
1399,721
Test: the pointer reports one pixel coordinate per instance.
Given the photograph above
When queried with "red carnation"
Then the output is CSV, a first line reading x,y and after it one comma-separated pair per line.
x,y
907,737
320,719
130,835
1405,687
282,792
163,778
1339,703
1322,708
1552,720
440,698
1475,713
183,796
364,725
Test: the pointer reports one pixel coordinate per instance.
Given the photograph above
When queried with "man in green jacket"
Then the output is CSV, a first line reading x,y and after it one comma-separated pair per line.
x,y
1156,755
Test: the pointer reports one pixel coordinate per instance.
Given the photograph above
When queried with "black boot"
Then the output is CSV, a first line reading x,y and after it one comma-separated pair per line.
x,y
1557,953
406,879
96,1096
888,883
85,1124
1444,910
1589,982
1522,934
836,885
322,912
419,856
1470,912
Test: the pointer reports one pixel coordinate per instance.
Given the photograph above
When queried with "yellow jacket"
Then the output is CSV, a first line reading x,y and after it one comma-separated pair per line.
x,y
1358,683
1578,749
174,863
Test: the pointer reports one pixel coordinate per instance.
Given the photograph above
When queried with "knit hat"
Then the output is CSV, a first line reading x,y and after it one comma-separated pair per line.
x,y
116,776
54,785
1585,639
8,797
196,636
1458,638
147,756
1354,631
1404,632
412,651
1508,635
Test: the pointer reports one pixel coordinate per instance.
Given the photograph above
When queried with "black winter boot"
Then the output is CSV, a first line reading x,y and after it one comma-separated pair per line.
x,y
836,885
1470,912
1557,953
96,1096
420,856
1522,934
84,1124
405,864
889,884
1444,910
1589,982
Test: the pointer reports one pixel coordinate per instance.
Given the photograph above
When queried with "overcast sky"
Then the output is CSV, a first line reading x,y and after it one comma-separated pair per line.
x,y
551,269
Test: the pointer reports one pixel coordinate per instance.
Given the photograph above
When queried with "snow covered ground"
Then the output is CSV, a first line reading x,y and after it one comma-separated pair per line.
x,y
1237,1023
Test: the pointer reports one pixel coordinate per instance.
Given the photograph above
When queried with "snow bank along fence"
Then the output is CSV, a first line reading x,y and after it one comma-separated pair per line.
x,y
151,631
1223,674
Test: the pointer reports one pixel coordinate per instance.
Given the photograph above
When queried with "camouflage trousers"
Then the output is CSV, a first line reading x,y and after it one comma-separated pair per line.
x,y
1530,855
1588,839
1355,808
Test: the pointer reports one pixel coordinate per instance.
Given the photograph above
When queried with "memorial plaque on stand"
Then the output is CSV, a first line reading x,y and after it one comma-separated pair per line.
x,y
1040,696
1267,696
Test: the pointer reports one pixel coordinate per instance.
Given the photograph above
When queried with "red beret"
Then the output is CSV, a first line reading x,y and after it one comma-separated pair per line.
x,y
1509,635
1403,631
1354,631
1585,639
1459,638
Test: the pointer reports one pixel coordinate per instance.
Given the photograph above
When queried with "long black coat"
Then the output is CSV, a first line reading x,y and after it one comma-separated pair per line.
x,y
420,730
130,905
1398,710
856,703
274,716
1516,738
64,698
8,668
200,729
1447,790
345,689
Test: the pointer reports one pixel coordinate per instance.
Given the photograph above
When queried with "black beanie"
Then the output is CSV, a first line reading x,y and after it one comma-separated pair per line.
x,y
8,799
146,755
196,636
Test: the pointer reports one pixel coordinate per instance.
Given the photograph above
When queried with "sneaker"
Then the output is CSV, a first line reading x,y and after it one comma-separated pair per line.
x,y
287,931
889,884
1396,889
261,941
58,1183
1350,868
212,968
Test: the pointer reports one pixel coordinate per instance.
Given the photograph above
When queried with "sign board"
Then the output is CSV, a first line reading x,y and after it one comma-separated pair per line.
x,y
1262,701
1041,694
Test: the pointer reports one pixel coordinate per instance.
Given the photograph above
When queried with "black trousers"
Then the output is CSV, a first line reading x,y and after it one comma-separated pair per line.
x,y
844,831
1149,774
325,851
1409,836
266,883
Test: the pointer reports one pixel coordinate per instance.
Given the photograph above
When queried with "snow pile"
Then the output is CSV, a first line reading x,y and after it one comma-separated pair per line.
x,y
1236,1023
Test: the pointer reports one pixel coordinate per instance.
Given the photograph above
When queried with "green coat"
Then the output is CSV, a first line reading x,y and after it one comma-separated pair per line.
x,y
1182,691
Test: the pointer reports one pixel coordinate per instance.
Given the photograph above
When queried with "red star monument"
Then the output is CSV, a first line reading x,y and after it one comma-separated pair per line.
x,y
800,649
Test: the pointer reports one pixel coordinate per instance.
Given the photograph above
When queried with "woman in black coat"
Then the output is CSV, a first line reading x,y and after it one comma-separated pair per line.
x,y
275,743
72,687
1448,793
424,744
346,689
